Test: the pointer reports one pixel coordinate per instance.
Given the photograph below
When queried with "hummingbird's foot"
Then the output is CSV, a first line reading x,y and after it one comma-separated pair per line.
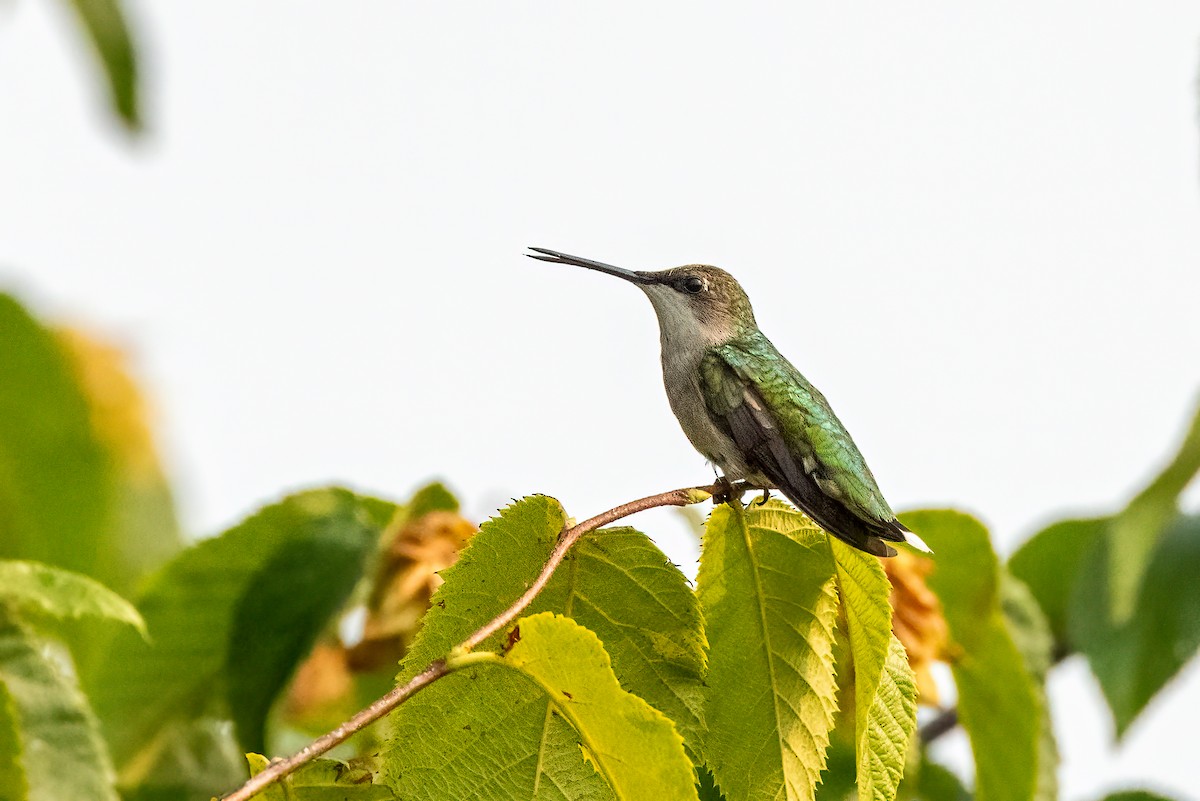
x,y
766,496
728,491
724,491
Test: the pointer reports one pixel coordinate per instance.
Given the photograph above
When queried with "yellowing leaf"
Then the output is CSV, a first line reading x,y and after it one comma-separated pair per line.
x,y
613,581
889,727
119,412
767,589
884,693
548,720
143,531
407,578
633,746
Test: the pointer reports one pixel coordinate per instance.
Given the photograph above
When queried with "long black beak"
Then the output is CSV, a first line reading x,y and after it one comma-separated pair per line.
x,y
554,257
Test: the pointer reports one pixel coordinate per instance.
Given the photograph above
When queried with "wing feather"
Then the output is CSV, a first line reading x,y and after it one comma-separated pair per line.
x,y
801,447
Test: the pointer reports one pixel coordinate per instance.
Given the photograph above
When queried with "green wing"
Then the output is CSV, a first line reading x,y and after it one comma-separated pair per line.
x,y
788,432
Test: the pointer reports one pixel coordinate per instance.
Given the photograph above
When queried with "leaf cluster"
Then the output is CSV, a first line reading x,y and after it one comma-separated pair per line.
x,y
776,675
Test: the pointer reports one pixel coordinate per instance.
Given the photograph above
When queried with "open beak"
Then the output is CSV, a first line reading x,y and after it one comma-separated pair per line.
x,y
553,256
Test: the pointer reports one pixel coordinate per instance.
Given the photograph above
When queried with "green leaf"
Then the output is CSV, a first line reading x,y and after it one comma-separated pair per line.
x,y
69,496
38,590
839,781
1134,533
1135,795
61,752
1134,660
104,23
889,728
192,760
55,477
12,777
564,729
1050,564
324,780
615,582
431,498
1031,634
706,785
937,783
885,691
290,600
243,608
767,591
1116,588
998,697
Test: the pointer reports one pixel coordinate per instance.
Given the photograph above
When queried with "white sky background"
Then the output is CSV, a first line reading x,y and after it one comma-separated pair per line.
x,y
976,230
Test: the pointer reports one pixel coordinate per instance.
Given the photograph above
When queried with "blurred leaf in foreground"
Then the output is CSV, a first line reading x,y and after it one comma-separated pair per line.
x,y
54,750
998,698
104,23
1121,589
1135,795
38,591
1134,533
55,474
937,783
1049,564
80,486
191,760
1033,639
1135,660
236,612
420,538
144,531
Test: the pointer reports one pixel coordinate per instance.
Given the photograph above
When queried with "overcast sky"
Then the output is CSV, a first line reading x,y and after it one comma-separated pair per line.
x,y
977,230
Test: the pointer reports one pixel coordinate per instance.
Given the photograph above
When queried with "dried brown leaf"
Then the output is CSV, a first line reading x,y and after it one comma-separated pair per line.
x,y
406,581
917,619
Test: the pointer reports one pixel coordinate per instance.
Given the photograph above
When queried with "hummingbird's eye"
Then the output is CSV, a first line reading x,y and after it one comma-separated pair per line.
x,y
692,285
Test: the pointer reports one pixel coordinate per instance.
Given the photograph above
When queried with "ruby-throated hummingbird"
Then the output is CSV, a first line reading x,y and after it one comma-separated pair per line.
x,y
749,411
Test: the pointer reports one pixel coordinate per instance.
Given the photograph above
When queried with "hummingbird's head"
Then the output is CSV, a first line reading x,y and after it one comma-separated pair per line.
x,y
696,304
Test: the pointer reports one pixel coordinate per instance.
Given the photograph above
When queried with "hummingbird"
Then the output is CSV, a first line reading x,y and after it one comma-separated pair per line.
x,y
748,411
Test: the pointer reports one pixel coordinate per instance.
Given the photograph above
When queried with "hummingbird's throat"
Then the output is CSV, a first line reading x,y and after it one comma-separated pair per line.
x,y
685,323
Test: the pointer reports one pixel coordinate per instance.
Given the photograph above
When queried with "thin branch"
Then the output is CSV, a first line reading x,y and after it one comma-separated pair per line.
x,y
679,497
947,719
945,722
442,667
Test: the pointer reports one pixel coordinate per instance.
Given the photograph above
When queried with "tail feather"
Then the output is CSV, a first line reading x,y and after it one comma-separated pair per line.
x,y
906,535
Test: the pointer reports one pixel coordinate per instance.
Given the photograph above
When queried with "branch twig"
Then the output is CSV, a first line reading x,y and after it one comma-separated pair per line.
x,y
944,723
947,719
442,667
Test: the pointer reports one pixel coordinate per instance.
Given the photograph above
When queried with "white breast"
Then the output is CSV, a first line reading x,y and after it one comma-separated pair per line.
x,y
684,343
